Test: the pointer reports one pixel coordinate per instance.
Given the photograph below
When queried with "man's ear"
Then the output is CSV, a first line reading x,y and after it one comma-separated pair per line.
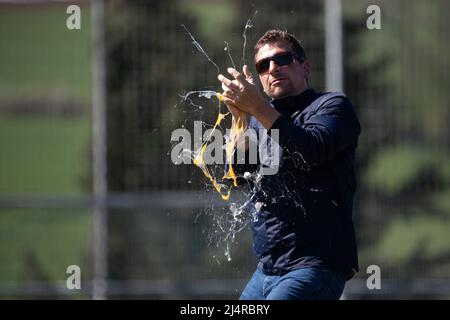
x,y
306,69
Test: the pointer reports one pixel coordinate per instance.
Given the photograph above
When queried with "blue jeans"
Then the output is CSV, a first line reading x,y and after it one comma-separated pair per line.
x,y
310,283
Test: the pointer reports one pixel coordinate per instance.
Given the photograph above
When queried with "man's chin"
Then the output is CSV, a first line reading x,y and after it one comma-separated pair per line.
x,y
278,94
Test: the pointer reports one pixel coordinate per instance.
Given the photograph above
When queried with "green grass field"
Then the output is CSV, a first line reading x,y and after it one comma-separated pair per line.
x,y
39,56
43,154
39,244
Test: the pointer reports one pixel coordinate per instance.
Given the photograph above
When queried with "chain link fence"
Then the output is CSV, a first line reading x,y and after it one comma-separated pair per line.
x,y
161,225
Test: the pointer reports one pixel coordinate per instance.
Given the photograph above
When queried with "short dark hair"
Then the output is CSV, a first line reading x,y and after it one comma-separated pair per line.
x,y
274,35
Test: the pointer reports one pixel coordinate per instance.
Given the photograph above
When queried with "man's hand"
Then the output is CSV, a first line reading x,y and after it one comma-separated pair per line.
x,y
243,94
236,112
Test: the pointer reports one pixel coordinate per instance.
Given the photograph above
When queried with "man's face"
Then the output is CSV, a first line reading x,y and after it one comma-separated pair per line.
x,y
282,81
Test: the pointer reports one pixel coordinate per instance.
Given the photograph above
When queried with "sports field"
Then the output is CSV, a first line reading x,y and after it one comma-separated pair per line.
x,y
43,150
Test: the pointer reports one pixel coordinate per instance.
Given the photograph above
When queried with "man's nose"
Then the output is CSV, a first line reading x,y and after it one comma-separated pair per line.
x,y
273,66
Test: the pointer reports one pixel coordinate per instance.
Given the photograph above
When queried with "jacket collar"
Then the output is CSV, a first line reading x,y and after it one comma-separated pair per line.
x,y
289,105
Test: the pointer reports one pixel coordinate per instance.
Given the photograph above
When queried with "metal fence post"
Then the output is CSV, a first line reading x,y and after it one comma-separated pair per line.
x,y
333,50
333,46
100,232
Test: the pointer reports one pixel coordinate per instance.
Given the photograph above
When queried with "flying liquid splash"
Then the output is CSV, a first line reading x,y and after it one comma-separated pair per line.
x,y
236,218
248,25
199,159
237,128
199,48
228,51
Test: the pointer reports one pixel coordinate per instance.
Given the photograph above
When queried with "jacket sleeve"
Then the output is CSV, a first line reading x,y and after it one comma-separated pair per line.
x,y
330,130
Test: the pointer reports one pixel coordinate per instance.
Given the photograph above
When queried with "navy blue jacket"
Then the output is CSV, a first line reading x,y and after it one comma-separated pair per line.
x,y
303,212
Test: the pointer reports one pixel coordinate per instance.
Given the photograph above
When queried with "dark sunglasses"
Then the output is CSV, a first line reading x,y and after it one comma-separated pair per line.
x,y
281,59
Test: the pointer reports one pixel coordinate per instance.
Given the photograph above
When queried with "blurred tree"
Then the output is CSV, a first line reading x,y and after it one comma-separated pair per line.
x,y
396,77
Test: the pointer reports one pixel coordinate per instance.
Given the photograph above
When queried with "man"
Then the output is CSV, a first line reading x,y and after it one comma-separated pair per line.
x,y
303,233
